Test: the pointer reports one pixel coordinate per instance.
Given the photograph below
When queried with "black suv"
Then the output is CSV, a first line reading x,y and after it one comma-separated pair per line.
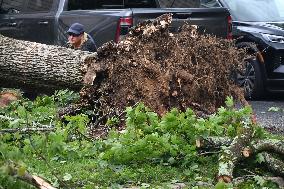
x,y
259,26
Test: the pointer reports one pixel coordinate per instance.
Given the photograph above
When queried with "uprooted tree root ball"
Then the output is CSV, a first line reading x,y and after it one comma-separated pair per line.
x,y
163,70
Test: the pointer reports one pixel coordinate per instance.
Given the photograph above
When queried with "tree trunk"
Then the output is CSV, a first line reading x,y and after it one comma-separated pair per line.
x,y
40,67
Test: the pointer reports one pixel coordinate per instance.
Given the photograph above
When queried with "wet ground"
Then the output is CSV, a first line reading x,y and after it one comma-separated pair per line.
x,y
270,112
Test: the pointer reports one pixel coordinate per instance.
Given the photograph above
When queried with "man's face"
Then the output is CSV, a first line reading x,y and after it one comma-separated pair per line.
x,y
74,38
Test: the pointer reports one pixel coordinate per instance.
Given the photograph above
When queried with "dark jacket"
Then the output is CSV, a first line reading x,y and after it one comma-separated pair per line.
x,y
88,44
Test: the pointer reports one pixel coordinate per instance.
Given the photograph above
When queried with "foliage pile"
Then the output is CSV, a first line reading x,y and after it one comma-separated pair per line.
x,y
152,152
163,70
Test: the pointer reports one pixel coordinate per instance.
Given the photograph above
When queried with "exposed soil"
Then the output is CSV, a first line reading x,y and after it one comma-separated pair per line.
x,y
163,70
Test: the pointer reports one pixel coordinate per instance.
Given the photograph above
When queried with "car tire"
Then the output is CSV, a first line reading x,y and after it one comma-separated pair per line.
x,y
250,79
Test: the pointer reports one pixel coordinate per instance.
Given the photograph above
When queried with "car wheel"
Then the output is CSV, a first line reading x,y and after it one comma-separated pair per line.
x,y
250,79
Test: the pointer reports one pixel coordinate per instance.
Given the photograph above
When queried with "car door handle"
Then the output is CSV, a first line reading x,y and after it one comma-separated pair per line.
x,y
43,22
12,24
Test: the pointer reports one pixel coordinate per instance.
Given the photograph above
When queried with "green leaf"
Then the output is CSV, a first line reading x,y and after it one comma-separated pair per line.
x,y
21,171
171,160
274,109
145,185
260,158
15,123
259,180
229,102
67,177
220,185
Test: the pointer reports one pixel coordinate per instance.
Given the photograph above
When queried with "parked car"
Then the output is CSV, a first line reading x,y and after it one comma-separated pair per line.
x,y
46,21
259,22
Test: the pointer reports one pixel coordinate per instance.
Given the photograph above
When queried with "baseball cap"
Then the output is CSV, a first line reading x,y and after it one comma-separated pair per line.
x,y
76,28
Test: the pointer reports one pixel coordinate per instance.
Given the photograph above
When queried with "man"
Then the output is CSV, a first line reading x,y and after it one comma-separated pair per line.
x,y
79,39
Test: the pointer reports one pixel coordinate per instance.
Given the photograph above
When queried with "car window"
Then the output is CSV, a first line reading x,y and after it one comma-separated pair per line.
x,y
179,3
209,3
140,4
13,6
257,10
95,4
39,6
109,4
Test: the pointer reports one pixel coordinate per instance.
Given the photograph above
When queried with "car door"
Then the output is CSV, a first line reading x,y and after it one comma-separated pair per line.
x,y
10,9
99,17
38,21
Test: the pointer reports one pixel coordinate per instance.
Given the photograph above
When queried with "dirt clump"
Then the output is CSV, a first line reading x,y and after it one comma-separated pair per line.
x,y
163,70
7,97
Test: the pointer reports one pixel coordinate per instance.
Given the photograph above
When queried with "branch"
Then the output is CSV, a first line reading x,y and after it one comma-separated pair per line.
x,y
277,180
273,164
28,178
35,127
272,145
27,130
213,142
232,154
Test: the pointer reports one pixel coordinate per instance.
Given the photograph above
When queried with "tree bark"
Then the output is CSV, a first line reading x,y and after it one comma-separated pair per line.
x,y
275,165
254,147
269,145
212,142
232,154
40,67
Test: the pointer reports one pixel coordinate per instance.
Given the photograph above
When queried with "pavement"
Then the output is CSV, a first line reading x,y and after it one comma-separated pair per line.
x,y
270,114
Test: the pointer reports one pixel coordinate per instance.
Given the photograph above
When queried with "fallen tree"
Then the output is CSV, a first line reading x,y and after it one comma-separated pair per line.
x,y
152,65
39,67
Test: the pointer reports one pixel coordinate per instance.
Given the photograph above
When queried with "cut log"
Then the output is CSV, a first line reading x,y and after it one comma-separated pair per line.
x,y
232,154
255,146
40,67
271,145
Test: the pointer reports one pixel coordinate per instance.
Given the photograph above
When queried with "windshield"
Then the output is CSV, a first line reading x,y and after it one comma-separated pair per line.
x,y
257,10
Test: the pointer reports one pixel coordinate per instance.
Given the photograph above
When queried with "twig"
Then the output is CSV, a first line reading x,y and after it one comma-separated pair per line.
x,y
206,153
35,127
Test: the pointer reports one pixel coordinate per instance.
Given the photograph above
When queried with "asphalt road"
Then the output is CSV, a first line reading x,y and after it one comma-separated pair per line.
x,y
270,113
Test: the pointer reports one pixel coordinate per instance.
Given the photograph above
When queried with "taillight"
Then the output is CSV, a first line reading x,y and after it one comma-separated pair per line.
x,y
230,28
122,27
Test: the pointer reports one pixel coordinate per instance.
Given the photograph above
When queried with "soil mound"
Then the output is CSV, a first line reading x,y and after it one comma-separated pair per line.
x,y
163,70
